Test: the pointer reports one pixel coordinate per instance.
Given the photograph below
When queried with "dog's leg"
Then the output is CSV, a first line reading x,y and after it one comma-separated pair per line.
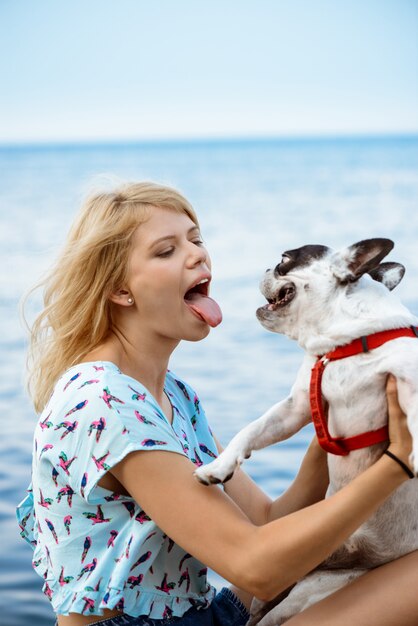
x,y
280,422
259,608
310,590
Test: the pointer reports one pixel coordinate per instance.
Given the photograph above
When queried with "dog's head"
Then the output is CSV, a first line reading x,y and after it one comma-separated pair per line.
x,y
310,283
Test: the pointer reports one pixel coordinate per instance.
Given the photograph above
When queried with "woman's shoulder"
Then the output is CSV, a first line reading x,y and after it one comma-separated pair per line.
x,y
95,379
95,387
99,378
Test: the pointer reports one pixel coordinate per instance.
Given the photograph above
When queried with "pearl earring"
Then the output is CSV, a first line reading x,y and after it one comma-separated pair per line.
x,y
130,300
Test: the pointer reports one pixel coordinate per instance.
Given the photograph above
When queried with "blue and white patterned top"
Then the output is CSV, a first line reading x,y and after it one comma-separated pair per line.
x,y
94,548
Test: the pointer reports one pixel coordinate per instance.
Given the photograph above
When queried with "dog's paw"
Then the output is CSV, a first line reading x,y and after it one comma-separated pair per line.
x,y
219,471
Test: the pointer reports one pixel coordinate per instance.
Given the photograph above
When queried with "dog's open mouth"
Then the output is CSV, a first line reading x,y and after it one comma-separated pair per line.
x,y
284,296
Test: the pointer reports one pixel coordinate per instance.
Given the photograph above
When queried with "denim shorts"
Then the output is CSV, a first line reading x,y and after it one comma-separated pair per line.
x,y
225,610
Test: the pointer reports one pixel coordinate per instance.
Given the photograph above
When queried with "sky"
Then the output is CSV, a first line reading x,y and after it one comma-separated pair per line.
x,y
105,70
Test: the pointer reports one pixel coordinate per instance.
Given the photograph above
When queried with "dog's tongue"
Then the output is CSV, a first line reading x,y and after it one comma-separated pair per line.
x,y
205,308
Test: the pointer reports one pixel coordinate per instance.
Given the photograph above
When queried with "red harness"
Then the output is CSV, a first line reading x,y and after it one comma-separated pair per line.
x,y
343,445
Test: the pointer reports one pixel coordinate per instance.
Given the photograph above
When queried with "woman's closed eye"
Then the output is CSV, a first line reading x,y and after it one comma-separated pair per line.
x,y
165,253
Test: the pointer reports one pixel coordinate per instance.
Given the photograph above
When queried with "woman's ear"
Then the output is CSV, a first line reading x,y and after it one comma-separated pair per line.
x,y
121,297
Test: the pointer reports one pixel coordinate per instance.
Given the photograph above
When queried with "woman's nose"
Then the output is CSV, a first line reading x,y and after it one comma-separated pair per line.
x,y
198,255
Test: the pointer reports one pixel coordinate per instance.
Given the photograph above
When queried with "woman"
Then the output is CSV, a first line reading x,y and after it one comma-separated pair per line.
x,y
122,531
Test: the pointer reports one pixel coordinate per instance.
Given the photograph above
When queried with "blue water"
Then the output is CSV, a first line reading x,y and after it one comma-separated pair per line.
x,y
255,199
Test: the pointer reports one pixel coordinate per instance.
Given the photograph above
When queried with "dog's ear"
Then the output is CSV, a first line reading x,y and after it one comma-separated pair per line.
x,y
350,263
390,274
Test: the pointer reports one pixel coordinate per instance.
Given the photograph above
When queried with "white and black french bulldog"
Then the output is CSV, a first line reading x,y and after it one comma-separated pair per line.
x,y
325,299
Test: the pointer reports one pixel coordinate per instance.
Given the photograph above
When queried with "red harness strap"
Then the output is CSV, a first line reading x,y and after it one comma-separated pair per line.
x,y
343,445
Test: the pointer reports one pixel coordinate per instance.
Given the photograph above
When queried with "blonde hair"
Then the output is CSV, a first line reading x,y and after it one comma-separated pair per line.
x,y
93,264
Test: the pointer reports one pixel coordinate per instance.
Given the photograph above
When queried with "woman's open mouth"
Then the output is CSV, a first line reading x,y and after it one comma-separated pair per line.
x,y
201,305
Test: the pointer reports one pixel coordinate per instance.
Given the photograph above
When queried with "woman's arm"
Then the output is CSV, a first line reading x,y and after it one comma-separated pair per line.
x,y
310,484
266,559
308,487
263,560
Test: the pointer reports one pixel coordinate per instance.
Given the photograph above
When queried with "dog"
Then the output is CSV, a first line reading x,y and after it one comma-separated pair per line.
x,y
325,299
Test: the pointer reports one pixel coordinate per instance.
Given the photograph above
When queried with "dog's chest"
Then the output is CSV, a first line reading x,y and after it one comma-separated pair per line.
x,y
353,390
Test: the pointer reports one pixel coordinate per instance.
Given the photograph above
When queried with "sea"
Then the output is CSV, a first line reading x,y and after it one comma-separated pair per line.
x,y
255,199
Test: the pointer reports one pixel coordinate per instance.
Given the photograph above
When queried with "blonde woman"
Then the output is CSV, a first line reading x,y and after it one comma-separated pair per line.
x,y
122,532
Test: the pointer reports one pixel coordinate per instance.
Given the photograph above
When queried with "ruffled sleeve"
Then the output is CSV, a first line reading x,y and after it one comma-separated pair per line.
x,y
114,416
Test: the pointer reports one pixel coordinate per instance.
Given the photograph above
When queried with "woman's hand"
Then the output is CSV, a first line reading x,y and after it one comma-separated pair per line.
x,y
399,435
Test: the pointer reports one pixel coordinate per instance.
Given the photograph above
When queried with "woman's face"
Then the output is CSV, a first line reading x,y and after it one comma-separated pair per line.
x,y
167,260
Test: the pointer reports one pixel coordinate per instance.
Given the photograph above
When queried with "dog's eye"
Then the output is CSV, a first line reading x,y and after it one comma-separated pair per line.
x,y
281,269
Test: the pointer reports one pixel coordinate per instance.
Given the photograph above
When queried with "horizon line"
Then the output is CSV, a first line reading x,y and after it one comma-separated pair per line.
x,y
204,139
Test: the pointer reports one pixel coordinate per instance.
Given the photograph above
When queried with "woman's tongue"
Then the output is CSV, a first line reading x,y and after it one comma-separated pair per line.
x,y
204,307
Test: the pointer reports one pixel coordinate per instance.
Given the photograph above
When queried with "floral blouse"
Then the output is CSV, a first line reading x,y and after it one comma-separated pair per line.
x,y
96,549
